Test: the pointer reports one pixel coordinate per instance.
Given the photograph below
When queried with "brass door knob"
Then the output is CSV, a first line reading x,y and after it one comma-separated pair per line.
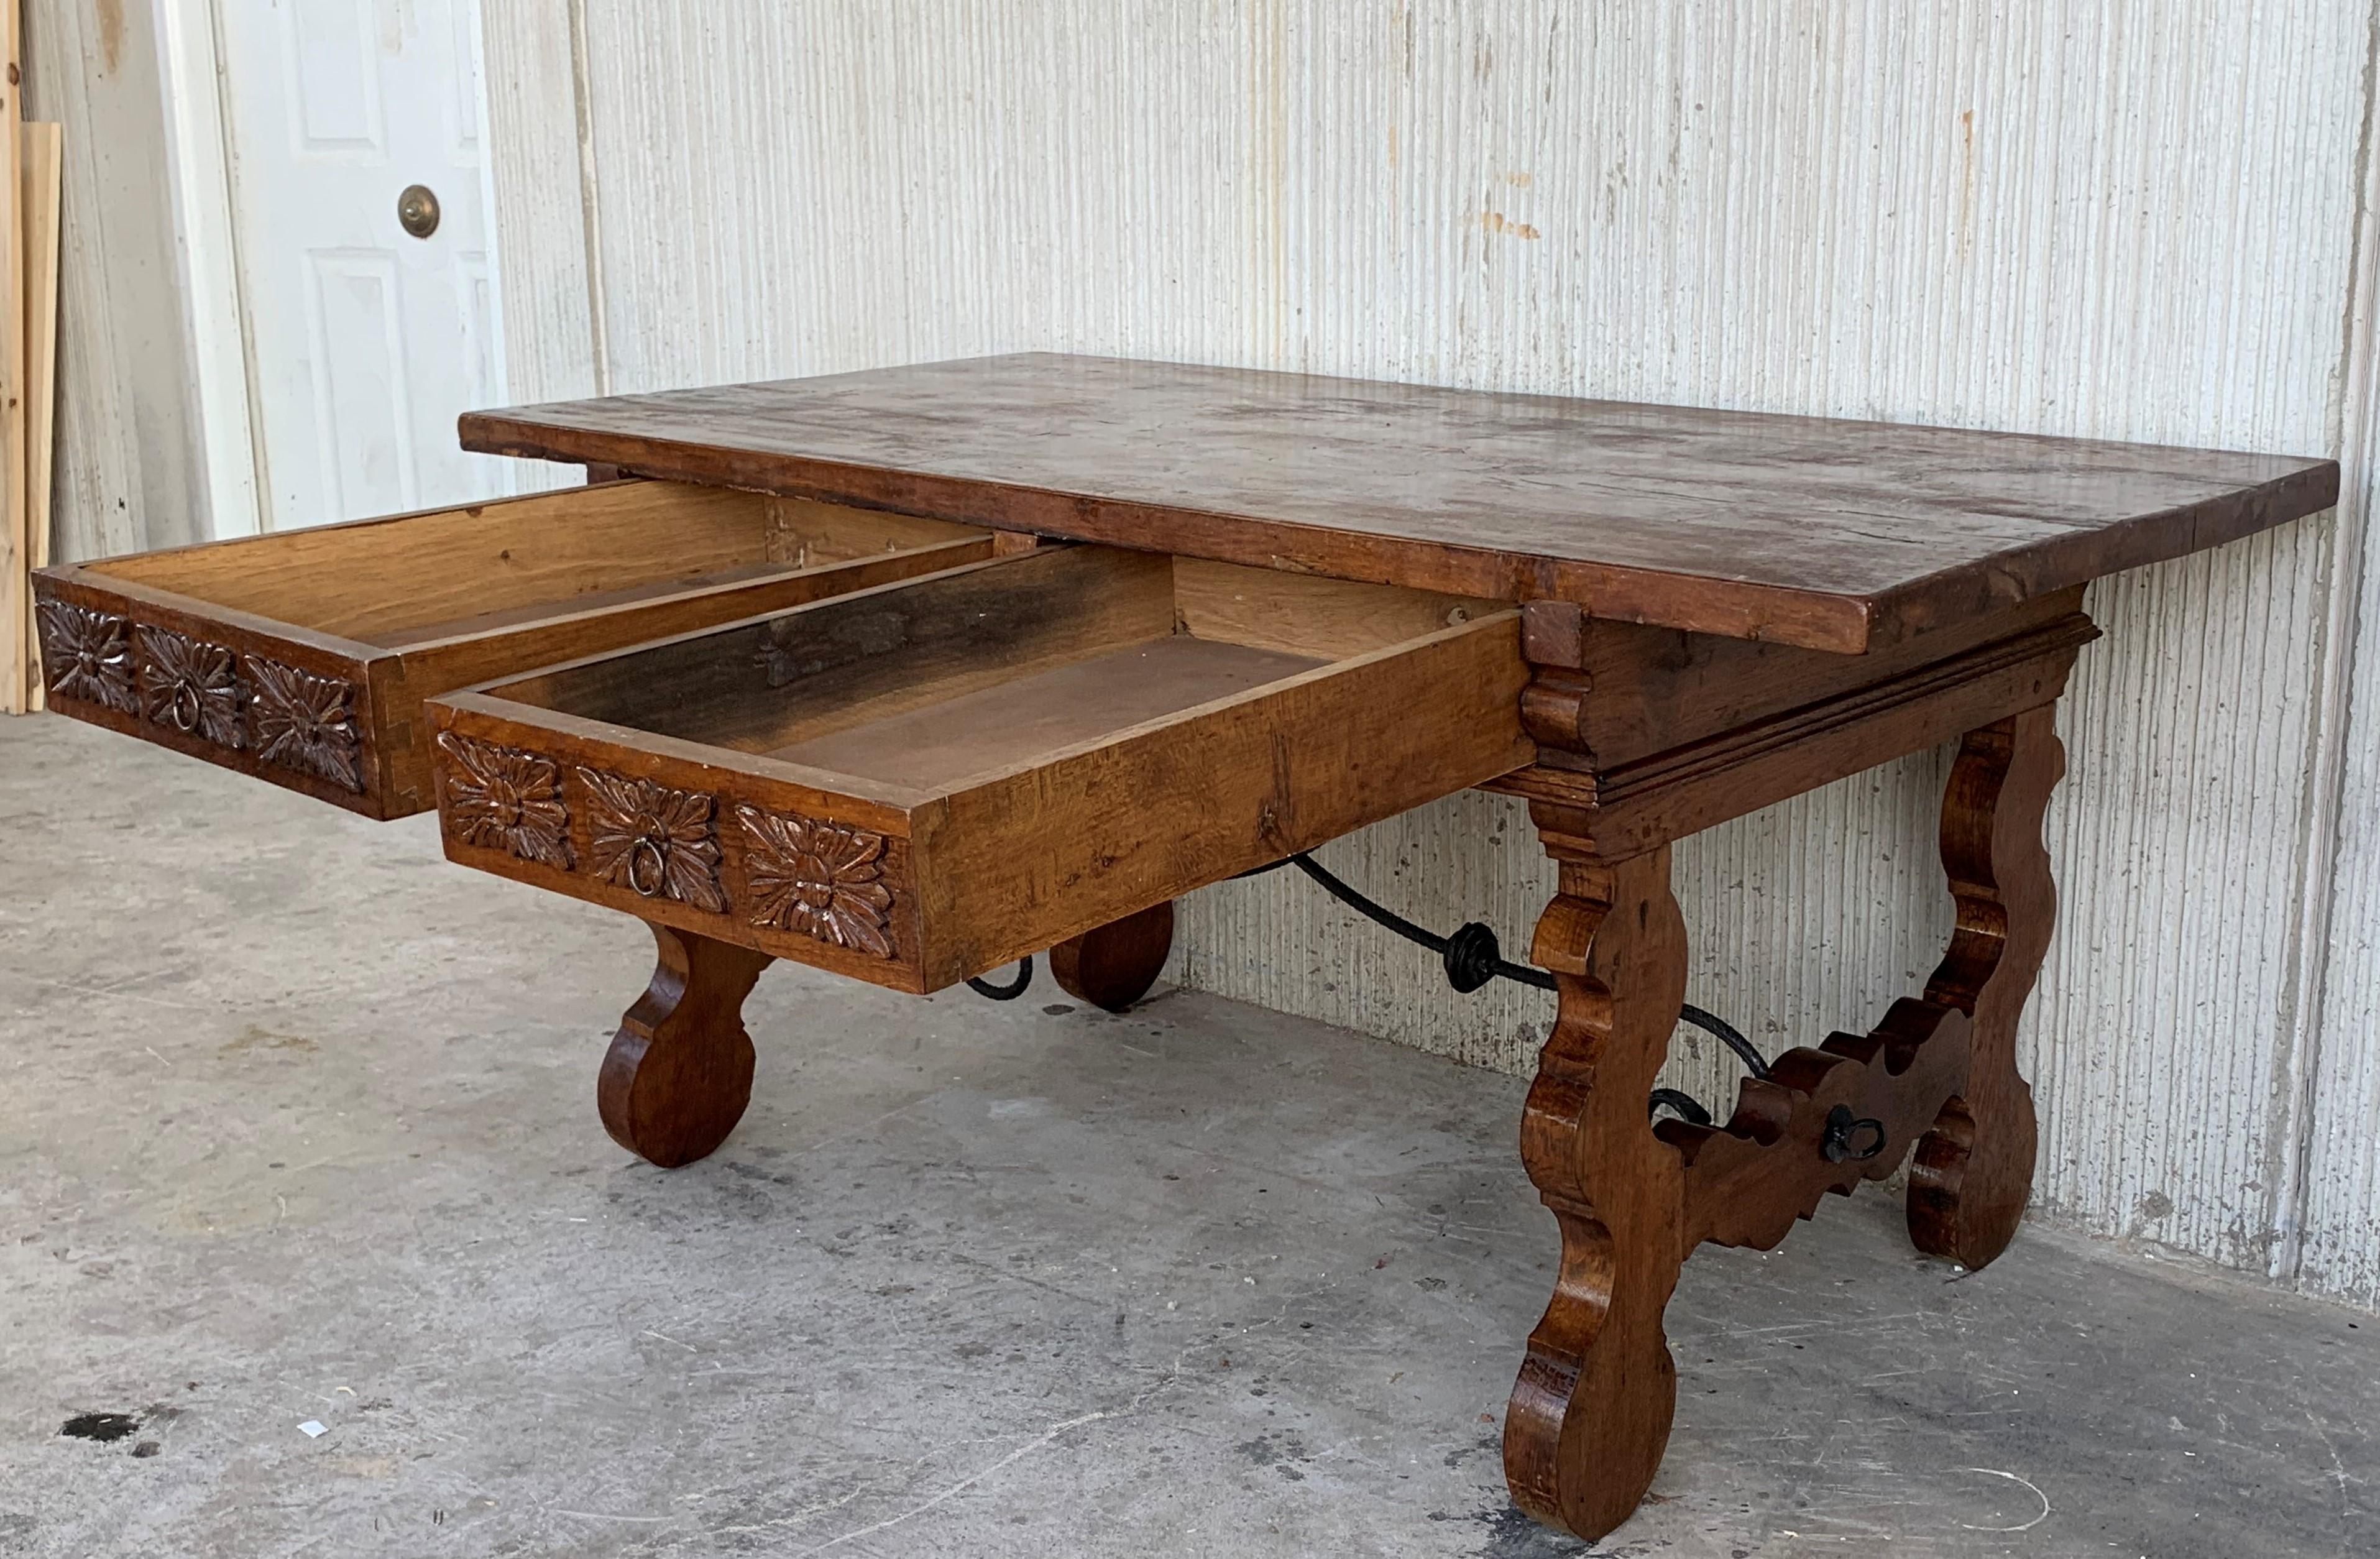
x,y
416,209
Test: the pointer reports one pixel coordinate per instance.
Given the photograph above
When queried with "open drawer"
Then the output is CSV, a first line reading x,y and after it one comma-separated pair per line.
x,y
302,657
918,783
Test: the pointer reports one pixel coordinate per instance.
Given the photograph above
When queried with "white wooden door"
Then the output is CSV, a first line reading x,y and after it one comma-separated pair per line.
x,y
364,341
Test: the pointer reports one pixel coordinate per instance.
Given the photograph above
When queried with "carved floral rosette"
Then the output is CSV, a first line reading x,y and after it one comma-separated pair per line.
x,y
305,722
289,717
88,655
655,841
506,799
817,878
188,685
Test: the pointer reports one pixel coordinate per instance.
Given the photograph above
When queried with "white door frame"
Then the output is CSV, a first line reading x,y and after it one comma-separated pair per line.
x,y
197,129
200,154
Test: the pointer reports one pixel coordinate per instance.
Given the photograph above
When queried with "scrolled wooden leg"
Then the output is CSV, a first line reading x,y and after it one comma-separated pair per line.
x,y
1115,965
679,1071
1590,1414
1973,1172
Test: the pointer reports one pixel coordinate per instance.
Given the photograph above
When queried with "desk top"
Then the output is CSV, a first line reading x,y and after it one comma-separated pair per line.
x,y
1831,534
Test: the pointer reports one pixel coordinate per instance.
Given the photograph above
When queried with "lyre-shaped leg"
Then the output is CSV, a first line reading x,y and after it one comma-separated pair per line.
x,y
1974,1170
679,1071
1590,1413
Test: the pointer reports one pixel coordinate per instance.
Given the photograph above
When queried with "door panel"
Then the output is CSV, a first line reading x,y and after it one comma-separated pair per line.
x,y
365,341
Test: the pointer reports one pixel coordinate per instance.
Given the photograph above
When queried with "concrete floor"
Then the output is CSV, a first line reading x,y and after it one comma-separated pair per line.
x,y
297,1125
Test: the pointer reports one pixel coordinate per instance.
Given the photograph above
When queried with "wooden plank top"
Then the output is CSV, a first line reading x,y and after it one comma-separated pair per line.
x,y
1830,535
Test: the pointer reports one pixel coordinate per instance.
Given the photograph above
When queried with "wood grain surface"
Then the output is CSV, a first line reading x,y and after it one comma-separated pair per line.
x,y
1828,534
1791,739
679,1074
397,608
939,745
1973,1172
1114,966
1039,742
1590,1412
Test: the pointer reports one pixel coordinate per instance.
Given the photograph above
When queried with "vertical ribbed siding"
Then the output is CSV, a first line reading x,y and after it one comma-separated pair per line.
x,y
2341,1231
534,180
2337,1246
2135,220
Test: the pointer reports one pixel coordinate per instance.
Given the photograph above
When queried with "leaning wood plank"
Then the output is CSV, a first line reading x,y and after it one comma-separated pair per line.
x,y
44,188
1812,531
16,550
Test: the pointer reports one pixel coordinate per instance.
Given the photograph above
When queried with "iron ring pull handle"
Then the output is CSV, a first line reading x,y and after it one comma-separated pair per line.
x,y
648,868
1850,1137
186,708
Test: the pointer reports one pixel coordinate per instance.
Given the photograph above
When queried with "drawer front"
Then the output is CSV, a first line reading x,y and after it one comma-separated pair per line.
x,y
1067,749
680,834
302,657
240,692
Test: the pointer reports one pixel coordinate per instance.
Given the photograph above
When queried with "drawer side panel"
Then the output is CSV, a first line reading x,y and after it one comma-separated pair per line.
x,y
1020,861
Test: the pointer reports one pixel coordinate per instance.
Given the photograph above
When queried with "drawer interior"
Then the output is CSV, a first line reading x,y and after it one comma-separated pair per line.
x,y
302,657
408,580
953,770
939,683
988,728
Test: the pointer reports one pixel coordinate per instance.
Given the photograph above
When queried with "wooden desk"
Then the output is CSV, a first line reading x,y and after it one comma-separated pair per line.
x,y
839,696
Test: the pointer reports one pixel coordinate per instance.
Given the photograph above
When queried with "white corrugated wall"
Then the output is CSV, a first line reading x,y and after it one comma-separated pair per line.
x,y
2143,220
